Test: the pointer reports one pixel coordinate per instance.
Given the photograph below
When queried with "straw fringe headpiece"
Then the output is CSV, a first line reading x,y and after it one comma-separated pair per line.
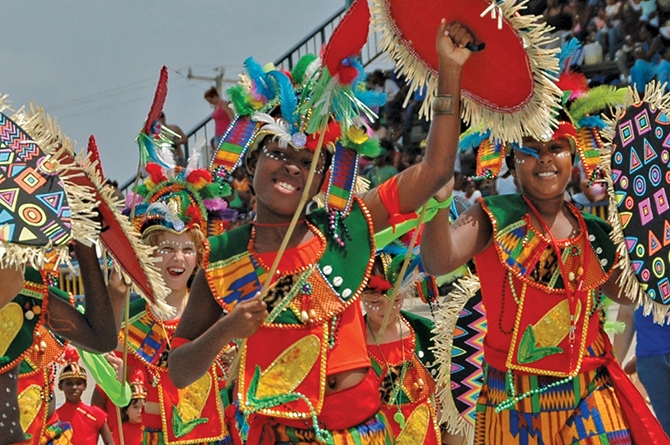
x,y
532,118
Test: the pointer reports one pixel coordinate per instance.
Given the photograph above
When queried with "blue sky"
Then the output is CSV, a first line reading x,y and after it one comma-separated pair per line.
x,y
94,64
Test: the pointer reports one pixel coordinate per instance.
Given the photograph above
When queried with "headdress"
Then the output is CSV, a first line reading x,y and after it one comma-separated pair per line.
x,y
176,200
40,207
71,368
171,197
507,87
575,120
138,390
320,99
638,185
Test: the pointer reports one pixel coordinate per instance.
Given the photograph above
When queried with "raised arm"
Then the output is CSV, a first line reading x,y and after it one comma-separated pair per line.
x,y
445,247
95,330
421,181
209,331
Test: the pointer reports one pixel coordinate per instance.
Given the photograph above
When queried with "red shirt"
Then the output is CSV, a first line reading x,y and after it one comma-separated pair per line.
x,y
86,421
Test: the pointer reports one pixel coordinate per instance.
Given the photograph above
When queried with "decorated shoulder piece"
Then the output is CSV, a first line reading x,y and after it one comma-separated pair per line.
x,y
41,208
507,87
638,185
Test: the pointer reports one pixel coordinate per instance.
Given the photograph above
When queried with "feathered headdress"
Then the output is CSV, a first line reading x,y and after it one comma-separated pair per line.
x,y
579,117
71,368
321,97
176,199
137,385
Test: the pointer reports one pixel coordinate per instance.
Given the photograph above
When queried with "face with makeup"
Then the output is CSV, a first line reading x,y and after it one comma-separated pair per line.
x,y
376,304
543,169
178,258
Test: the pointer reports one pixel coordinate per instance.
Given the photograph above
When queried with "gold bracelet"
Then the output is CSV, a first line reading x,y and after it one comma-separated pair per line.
x,y
443,104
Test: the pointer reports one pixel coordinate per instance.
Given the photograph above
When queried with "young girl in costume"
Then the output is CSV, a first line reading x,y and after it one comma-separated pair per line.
x,y
88,422
402,356
170,214
131,415
550,376
304,375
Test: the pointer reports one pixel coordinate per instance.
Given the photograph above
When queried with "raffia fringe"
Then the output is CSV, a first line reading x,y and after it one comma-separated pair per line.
x,y
446,318
630,286
144,253
534,118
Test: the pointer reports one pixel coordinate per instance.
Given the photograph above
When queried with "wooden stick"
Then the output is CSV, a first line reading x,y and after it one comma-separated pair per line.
x,y
403,269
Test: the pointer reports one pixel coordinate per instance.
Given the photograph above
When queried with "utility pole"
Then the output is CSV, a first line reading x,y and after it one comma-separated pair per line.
x,y
218,80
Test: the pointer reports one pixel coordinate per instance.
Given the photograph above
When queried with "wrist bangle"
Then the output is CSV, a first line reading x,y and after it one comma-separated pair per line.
x,y
443,104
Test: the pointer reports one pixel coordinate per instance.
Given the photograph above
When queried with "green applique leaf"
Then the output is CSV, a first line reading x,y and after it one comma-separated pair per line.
x,y
179,428
529,353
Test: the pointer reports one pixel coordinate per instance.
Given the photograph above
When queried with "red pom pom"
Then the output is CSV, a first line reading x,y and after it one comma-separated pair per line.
x,y
333,133
347,74
155,172
71,355
379,284
200,177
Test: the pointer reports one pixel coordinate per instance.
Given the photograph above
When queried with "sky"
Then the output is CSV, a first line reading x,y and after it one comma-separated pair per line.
x,y
94,64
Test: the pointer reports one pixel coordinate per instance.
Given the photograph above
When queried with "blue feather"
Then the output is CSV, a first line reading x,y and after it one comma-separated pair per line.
x,y
260,78
472,140
592,121
371,98
287,97
567,50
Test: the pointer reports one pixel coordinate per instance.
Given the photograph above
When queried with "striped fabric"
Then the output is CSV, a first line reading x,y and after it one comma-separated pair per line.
x,y
582,411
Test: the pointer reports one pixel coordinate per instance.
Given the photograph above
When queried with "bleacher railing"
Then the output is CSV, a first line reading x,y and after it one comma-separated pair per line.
x,y
312,43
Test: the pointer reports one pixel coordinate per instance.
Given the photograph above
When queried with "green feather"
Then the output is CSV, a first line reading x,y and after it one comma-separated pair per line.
x,y
240,100
597,99
298,72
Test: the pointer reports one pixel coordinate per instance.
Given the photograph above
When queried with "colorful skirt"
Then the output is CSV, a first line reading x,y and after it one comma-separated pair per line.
x,y
583,410
373,431
155,437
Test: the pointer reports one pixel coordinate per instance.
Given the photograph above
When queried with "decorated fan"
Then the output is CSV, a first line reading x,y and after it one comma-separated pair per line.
x,y
507,87
131,256
40,208
639,187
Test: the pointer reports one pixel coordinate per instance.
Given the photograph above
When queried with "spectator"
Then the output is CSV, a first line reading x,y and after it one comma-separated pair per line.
x,y
222,114
611,36
648,57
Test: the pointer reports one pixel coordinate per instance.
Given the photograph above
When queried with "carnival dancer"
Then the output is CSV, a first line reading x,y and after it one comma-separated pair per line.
x,y
304,376
550,376
170,210
401,355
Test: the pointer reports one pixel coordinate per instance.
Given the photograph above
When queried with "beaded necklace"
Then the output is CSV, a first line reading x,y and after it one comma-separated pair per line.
x,y
398,417
510,389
